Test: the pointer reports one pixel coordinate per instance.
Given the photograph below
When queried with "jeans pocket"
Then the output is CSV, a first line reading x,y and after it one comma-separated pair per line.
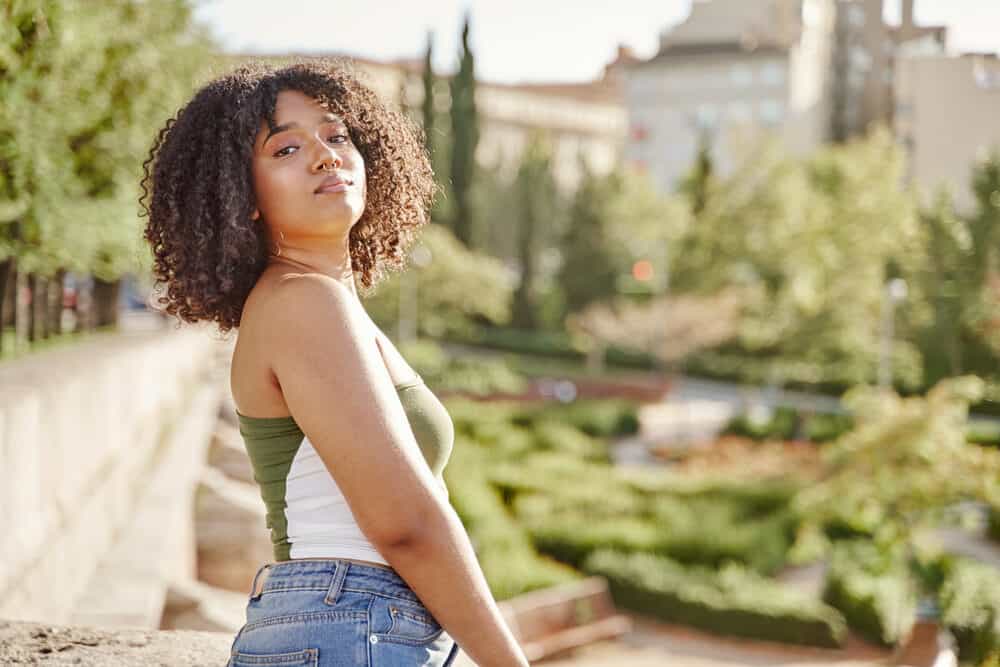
x,y
410,624
306,658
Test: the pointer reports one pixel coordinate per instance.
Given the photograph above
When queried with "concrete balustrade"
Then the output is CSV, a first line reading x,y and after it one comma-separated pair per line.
x,y
82,430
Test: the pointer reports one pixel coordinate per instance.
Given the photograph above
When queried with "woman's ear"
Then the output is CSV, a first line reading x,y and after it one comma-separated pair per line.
x,y
255,215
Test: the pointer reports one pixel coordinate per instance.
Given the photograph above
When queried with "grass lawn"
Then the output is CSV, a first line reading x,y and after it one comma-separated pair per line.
x,y
532,365
27,349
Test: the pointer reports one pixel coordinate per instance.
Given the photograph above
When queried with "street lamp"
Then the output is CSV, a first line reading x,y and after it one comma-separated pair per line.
x,y
895,292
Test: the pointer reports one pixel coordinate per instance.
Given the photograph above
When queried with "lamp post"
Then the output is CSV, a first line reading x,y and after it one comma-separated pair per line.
x,y
895,291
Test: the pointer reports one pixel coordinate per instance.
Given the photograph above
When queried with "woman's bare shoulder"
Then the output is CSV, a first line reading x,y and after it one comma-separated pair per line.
x,y
278,312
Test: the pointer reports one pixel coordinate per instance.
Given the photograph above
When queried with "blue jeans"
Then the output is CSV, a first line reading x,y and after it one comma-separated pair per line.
x,y
337,613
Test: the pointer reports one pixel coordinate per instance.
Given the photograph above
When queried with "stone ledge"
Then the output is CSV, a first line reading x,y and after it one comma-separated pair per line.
x,y
130,584
51,645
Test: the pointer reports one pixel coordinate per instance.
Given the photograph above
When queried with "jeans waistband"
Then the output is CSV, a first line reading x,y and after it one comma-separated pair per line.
x,y
332,575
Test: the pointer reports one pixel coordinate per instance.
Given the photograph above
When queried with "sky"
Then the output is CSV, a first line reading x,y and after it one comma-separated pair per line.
x,y
513,40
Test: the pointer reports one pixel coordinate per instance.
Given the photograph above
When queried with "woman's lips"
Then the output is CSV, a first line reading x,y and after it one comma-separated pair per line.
x,y
333,183
335,187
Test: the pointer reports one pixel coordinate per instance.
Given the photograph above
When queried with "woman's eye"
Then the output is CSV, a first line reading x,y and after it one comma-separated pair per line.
x,y
283,153
342,137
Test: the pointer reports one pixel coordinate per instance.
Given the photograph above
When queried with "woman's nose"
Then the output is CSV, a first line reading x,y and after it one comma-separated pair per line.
x,y
327,155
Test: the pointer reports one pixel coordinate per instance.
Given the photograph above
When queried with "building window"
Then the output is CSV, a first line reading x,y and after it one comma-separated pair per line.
x,y
772,74
772,112
741,75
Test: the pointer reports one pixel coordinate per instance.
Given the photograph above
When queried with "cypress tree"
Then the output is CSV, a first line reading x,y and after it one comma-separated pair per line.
x,y
435,137
589,271
465,136
428,105
535,203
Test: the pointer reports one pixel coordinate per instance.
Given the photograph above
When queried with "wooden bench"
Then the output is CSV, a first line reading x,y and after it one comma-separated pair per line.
x,y
564,617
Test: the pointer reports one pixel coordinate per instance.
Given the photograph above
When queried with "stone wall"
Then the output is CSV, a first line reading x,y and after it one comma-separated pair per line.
x,y
84,432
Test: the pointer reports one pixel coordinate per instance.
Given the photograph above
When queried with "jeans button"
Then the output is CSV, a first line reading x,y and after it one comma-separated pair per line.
x,y
373,639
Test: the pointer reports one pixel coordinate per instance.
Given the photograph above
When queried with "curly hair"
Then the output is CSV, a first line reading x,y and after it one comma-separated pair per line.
x,y
197,188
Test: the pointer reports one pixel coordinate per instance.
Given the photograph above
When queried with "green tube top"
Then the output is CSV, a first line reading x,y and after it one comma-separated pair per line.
x,y
274,443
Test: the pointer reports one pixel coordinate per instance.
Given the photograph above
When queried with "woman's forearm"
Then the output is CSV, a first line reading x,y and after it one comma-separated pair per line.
x,y
440,566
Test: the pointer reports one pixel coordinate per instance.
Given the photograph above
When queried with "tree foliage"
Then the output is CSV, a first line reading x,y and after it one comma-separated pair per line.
x,y
906,461
465,138
84,86
669,328
958,276
535,209
811,242
591,262
457,289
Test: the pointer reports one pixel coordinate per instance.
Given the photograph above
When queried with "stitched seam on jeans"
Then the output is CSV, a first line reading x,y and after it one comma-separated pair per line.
x,y
381,594
396,639
282,589
418,618
310,654
314,616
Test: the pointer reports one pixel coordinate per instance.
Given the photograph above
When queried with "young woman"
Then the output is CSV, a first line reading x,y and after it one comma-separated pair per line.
x,y
271,195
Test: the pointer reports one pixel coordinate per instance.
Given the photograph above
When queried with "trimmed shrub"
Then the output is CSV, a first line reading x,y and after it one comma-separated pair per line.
x,y
970,609
827,427
601,418
873,590
525,341
782,425
582,505
509,561
748,501
993,526
731,602
572,539
983,433
705,533
445,372
551,435
761,545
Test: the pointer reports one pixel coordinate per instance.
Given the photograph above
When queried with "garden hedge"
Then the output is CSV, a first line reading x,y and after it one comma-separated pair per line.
x,y
731,602
873,591
970,609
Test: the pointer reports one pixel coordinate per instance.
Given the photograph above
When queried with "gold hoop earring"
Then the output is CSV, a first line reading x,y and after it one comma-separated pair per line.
x,y
278,245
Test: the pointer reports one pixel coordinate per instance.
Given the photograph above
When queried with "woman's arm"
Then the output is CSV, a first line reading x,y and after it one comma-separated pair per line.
x,y
336,386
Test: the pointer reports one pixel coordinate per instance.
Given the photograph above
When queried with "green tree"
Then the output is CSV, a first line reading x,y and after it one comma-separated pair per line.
x,y
903,465
437,137
69,180
960,254
698,183
811,242
590,265
535,208
456,290
465,138
428,111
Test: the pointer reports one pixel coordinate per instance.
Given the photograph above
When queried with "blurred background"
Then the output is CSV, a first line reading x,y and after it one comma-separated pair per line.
x,y
711,291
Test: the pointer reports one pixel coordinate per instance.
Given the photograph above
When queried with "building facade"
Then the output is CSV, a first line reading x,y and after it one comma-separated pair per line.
x,y
865,54
946,118
733,73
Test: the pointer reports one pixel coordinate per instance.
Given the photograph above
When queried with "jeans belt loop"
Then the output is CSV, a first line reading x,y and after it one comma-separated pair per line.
x,y
337,584
264,569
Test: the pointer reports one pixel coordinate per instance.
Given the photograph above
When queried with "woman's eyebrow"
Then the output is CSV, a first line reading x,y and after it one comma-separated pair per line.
x,y
327,118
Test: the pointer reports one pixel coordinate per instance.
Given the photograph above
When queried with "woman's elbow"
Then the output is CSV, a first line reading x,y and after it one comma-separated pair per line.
x,y
413,527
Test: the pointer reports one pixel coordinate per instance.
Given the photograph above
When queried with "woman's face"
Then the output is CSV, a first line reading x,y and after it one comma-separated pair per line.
x,y
308,177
